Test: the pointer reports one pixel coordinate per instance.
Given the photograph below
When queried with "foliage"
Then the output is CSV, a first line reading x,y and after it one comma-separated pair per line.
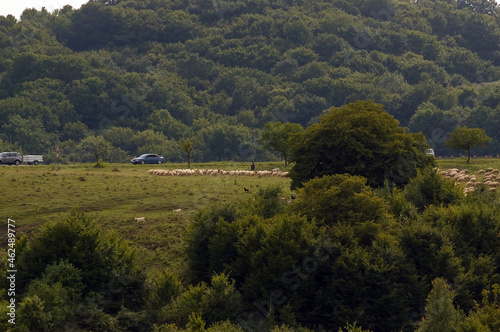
x,y
275,136
166,65
340,198
204,304
102,260
200,234
268,262
360,139
430,187
441,314
463,138
95,145
187,146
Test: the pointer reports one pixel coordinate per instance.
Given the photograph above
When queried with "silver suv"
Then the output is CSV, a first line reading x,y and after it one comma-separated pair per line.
x,y
11,158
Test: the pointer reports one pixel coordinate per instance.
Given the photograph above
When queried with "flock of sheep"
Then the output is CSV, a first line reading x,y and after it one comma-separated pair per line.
x,y
489,179
215,172
210,172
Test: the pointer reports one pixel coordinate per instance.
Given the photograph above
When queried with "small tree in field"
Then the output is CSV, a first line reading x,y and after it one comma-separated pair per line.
x,y
275,136
96,145
463,138
187,146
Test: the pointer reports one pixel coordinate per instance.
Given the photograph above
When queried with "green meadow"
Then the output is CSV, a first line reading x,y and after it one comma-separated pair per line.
x,y
114,195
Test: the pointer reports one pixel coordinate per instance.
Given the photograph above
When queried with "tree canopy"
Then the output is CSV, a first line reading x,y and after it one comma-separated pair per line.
x,y
218,71
359,139
463,138
275,136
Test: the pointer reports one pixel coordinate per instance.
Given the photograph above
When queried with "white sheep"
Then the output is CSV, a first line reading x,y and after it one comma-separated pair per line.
x,y
178,211
140,219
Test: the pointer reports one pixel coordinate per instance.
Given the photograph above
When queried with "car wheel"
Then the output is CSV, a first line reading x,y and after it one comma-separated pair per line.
x,y
159,162
17,162
35,162
143,162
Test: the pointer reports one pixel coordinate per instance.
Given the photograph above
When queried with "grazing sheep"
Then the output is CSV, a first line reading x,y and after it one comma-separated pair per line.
x,y
140,219
468,189
178,211
493,189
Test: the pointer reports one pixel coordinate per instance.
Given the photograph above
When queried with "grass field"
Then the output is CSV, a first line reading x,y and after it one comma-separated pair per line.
x,y
473,166
114,195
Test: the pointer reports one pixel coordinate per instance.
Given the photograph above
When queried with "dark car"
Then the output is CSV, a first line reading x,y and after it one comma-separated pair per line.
x,y
11,158
148,158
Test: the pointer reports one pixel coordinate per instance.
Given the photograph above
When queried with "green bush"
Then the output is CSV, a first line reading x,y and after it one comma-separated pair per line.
x,y
204,304
105,264
339,198
199,236
430,187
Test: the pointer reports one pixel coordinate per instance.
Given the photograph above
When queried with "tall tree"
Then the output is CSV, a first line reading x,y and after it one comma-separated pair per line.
x,y
275,136
441,314
463,138
96,145
360,139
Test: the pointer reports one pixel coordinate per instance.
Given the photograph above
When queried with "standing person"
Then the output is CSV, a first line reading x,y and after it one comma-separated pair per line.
x,y
252,166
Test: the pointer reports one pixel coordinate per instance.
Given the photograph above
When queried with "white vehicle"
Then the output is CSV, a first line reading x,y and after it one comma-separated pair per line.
x,y
34,159
430,152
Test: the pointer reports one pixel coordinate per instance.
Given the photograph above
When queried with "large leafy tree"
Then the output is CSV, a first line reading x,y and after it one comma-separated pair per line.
x,y
96,145
463,138
275,136
360,139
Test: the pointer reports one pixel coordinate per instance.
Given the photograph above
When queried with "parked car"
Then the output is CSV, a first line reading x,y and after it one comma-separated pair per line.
x,y
430,152
148,158
10,158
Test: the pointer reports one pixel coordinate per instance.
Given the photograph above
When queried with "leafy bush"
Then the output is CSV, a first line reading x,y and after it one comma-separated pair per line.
x,y
339,198
202,304
430,187
199,236
105,263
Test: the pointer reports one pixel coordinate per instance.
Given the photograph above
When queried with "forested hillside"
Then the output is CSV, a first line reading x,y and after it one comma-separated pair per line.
x,y
145,73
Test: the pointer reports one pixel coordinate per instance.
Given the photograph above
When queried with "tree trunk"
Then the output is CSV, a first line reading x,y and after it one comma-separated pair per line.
x,y
284,156
189,161
468,156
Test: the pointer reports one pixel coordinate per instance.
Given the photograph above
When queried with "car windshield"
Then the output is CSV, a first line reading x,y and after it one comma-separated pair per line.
x,y
143,155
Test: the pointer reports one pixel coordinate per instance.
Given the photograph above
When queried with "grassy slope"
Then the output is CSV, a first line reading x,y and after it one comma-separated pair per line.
x,y
114,195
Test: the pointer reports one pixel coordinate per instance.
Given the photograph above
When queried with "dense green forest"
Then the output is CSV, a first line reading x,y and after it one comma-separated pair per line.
x,y
143,74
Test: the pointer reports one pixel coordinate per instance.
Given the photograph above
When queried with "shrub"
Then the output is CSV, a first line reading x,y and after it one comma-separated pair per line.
x,y
430,187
